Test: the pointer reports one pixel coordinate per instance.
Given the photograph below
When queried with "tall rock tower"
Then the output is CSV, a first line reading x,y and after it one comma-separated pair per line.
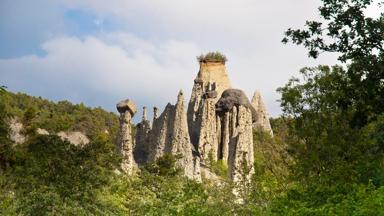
x,y
212,78
235,138
127,110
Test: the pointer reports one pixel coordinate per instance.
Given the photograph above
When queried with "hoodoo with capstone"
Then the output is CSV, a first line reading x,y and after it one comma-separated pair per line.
x,y
127,110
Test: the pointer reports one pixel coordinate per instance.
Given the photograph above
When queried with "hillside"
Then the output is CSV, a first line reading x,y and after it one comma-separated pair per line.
x,y
48,176
60,116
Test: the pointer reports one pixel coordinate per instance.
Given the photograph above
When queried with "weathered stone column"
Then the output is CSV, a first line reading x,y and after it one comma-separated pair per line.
x,y
237,116
144,118
241,153
211,76
154,113
208,140
127,110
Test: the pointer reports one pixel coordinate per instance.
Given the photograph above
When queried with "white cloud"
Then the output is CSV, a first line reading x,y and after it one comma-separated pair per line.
x,y
141,71
247,31
153,55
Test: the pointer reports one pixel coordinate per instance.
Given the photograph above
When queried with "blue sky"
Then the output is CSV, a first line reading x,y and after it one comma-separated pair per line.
x,y
99,52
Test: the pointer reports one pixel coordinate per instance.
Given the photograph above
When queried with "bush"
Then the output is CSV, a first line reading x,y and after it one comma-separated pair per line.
x,y
212,57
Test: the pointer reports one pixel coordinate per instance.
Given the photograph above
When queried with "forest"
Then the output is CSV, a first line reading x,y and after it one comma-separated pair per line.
x,y
326,156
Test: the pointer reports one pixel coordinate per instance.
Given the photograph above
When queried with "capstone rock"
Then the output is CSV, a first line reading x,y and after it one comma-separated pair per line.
x,y
127,105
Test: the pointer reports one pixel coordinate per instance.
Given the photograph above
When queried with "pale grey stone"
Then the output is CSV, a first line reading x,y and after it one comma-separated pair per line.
x,y
74,137
125,139
15,131
262,122
212,76
127,105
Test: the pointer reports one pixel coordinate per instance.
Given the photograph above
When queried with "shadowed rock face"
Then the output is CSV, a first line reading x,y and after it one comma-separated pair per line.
x,y
210,94
234,98
169,134
142,146
141,149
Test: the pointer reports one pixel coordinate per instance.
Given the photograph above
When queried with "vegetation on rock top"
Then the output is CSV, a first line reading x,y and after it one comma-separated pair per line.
x,y
212,57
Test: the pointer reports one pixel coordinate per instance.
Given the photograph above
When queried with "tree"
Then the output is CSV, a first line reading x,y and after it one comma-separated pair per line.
x,y
5,143
336,113
359,41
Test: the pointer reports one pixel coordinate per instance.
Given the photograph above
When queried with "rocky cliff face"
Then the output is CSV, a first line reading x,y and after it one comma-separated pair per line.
x,y
169,134
262,120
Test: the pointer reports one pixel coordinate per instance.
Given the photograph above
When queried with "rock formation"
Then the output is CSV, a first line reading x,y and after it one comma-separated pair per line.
x,y
169,135
208,137
127,110
75,137
141,149
262,120
161,134
218,125
41,131
180,141
236,139
15,131
212,76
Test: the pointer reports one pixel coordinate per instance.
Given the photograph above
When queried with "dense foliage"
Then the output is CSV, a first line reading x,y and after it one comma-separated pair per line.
x,y
335,116
48,176
60,116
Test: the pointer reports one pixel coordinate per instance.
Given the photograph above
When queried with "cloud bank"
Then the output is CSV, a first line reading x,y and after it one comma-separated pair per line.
x,y
99,52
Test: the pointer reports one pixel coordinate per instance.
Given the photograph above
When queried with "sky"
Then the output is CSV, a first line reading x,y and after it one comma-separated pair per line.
x,y
100,52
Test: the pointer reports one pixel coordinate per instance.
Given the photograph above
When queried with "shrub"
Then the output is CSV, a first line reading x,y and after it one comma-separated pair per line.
x,y
212,57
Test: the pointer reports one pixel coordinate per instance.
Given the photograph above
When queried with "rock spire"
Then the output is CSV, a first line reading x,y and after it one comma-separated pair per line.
x,y
212,78
127,110
262,120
